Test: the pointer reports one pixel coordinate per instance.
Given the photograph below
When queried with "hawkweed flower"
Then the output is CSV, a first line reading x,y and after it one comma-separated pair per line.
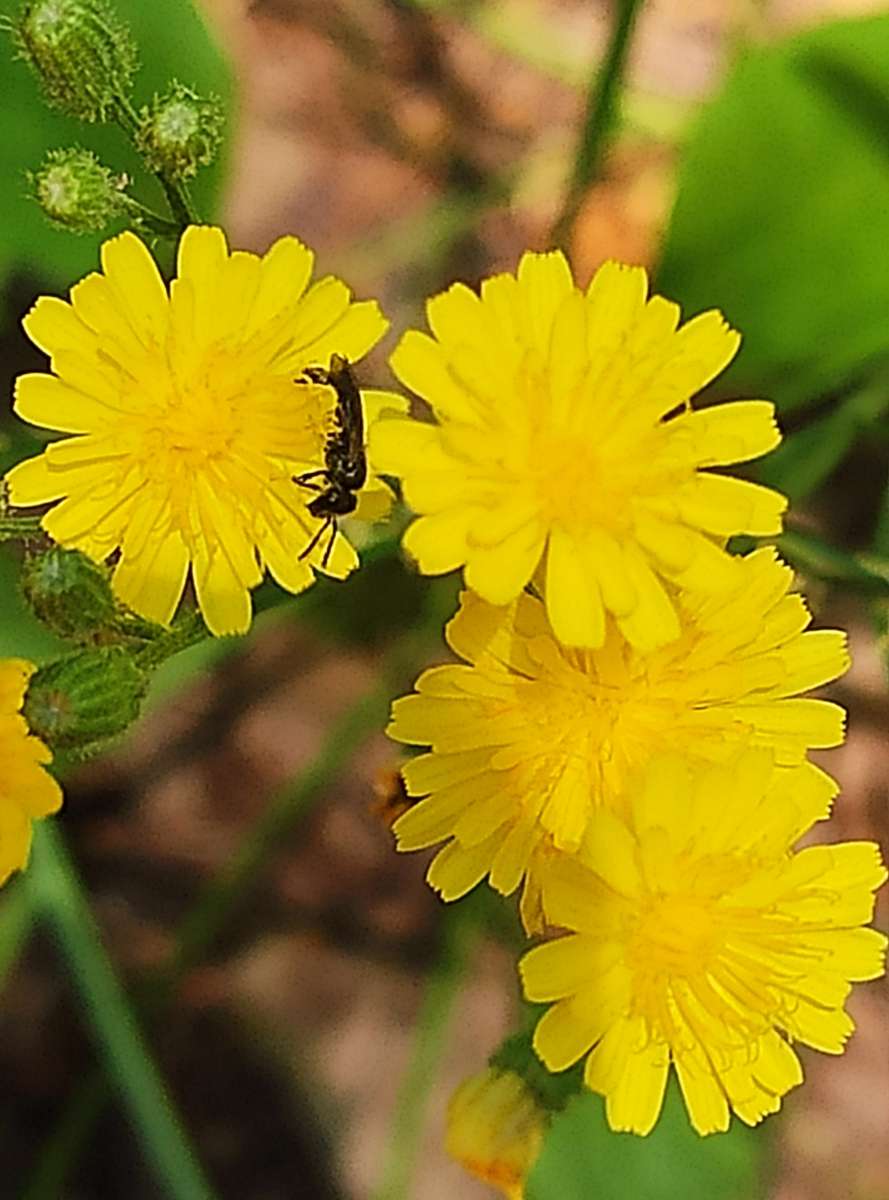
x,y
495,1129
565,449
702,941
190,418
27,790
528,737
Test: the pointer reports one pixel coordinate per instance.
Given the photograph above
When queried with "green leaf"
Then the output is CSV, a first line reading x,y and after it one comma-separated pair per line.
x,y
807,459
173,42
780,217
867,574
582,1158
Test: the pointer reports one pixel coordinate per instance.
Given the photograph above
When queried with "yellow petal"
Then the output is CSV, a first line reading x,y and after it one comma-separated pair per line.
x,y
35,482
725,506
573,602
152,583
500,572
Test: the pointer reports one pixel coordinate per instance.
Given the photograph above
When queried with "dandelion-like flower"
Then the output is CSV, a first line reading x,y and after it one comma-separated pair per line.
x,y
27,790
702,941
191,417
529,736
566,450
495,1129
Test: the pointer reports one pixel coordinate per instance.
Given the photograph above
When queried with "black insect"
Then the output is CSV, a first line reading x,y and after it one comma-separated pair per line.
x,y
345,464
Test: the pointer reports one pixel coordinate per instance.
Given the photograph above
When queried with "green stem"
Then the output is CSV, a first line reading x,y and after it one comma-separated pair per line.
x,y
174,190
220,896
150,220
16,926
408,1120
19,528
57,896
600,114
187,630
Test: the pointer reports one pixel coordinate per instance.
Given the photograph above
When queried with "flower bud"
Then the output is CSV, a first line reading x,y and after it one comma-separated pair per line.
x,y
84,698
83,55
77,192
70,593
495,1129
179,132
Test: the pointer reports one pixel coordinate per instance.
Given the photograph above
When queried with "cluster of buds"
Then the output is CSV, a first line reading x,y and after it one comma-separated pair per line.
x,y
85,60
80,701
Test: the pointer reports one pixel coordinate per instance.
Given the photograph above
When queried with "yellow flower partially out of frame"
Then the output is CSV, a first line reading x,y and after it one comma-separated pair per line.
x,y
565,449
701,941
495,1129
27,790
529,737
190,419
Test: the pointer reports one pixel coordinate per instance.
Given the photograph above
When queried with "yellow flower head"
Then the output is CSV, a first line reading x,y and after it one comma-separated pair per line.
x,y
190,419
27,791
565,448
704,942
531,736
495,1129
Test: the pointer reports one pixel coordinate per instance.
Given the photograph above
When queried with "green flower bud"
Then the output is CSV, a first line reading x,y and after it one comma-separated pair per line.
x,y
84,698
70,593
77,192
84,57
180,132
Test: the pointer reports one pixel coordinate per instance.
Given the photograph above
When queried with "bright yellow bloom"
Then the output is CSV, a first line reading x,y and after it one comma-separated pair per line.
x,y
27,791
566,450
531,736
495,1129
702,941
190,419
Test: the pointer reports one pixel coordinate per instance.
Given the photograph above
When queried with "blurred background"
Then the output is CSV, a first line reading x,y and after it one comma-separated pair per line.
x,y
235,846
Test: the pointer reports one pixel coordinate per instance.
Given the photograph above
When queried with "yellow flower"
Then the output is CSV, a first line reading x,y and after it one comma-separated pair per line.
x,y
190,419
495,1129
531,736
27,791
704,942
566,450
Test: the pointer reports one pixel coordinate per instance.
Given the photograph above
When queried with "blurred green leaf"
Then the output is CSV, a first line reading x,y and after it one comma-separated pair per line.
x,y
582,1158
173,42
781,218
806,460
864,573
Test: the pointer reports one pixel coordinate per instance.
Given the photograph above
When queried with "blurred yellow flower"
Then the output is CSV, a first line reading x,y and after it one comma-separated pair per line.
x,y
27,791
190,419
565,449
703,942
495,1129
531,736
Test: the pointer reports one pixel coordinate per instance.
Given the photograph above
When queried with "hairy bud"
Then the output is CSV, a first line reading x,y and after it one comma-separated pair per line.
x,y
77,192
180,132
84,698
83,56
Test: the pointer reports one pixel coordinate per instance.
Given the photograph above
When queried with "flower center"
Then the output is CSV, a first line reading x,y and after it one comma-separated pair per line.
x,y
675,935
568,722
214,420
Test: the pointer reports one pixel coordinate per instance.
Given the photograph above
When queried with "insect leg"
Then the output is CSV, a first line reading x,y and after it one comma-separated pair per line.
x,y
304,480
316,538
327,552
